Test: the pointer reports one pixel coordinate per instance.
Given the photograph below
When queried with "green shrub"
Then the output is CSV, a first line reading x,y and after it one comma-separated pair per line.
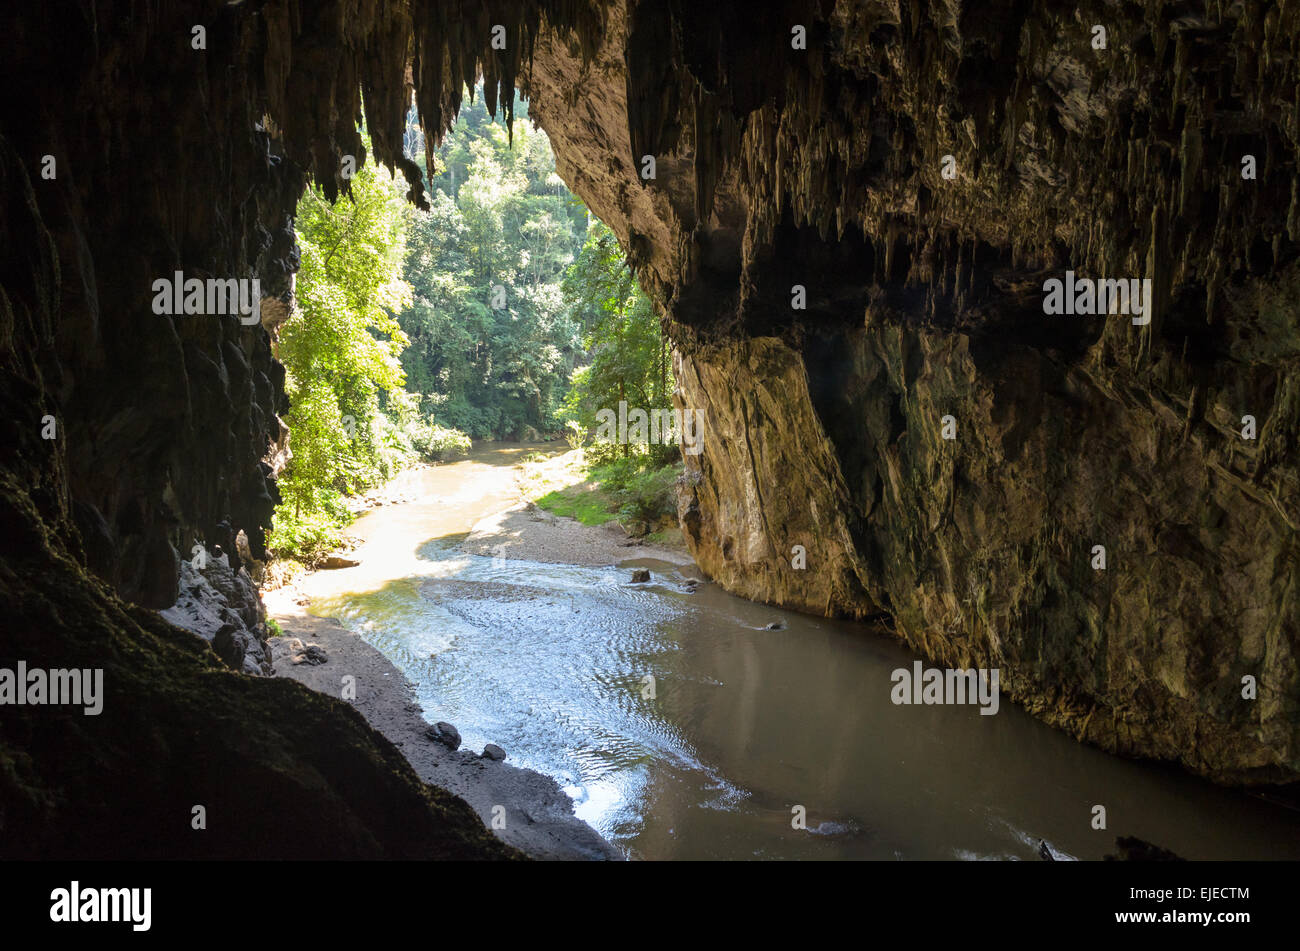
x,y
440,444
575,434
631,491
309,532
648,495
476,422
614,475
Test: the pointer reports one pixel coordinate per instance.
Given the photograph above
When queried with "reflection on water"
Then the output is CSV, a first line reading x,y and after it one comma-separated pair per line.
x,y
551,662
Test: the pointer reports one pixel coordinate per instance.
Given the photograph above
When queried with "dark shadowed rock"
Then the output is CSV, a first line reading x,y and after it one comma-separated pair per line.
x,y
494,752
313,654
1132,849
640,576
229,647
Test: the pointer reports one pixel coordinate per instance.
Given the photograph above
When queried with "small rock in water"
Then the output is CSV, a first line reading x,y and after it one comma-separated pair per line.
x,y
494,752
775,626
445,734
640,576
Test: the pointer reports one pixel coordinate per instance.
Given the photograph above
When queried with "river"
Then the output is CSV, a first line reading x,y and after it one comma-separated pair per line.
x,y
741,726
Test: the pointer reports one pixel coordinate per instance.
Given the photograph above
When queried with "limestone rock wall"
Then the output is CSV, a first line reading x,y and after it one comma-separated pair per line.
x,y
223,607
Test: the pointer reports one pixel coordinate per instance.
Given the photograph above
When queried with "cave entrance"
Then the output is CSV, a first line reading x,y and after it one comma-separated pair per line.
x,y
501,323
452,373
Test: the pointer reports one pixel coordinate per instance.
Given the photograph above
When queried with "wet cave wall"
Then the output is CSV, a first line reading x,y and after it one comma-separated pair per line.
x,y
819,164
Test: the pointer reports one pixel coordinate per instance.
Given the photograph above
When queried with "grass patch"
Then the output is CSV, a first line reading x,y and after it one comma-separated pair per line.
x,y
640,497
584,502
539,473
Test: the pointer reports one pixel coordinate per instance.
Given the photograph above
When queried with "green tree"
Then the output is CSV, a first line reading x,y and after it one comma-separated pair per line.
x,y
340,349
501,230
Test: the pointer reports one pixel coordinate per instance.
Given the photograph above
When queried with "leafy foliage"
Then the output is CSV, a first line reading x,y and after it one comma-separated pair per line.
x,y
628,353
340,349
631,491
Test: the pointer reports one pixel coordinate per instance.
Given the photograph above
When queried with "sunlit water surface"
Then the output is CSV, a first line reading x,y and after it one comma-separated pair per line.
x,y
740,724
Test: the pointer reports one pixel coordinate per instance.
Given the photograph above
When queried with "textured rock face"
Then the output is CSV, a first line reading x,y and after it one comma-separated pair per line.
x,y
222,607
981,548
824,168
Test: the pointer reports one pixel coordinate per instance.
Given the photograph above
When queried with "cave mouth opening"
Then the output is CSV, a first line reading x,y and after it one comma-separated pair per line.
x,y
501,312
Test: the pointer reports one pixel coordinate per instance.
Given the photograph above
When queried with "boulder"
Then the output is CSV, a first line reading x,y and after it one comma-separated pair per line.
x,y
444,733
229,646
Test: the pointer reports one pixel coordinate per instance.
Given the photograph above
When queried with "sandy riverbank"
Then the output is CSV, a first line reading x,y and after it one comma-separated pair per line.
x,y
531,534
538,815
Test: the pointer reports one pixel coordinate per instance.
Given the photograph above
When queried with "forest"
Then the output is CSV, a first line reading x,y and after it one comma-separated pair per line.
x,y
505,312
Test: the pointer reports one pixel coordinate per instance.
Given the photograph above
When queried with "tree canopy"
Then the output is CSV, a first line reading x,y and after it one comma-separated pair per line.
x,y
492,338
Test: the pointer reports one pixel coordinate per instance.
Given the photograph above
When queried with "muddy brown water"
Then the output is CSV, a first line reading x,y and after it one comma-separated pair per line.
x,y
741,725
